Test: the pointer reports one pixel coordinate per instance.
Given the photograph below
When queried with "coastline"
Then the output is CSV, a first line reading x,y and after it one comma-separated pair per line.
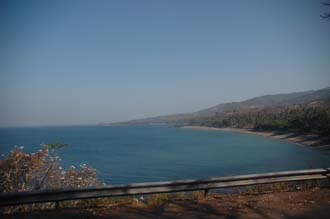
x,y
310,140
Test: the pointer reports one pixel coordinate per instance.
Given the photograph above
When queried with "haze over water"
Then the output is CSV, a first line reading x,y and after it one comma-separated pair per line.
x,y
126,154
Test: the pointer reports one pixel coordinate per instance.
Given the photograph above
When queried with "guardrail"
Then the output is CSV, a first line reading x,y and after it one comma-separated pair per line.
x,y
7,199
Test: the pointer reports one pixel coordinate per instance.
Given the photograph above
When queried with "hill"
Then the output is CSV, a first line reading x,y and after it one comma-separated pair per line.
x,y
305,98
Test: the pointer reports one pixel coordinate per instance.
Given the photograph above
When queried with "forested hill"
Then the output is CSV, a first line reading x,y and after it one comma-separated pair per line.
x,y
278,100
259,112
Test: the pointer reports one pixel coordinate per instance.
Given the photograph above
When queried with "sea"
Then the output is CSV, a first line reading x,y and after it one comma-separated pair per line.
x,y
148,153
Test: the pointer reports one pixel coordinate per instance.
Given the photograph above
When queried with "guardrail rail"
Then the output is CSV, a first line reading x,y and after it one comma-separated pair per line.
x,y
17,198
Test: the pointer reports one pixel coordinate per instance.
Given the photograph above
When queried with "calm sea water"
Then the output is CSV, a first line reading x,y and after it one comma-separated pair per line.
x,y
126,154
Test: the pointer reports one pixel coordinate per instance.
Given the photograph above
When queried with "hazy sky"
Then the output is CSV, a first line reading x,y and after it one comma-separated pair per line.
x,y
78,62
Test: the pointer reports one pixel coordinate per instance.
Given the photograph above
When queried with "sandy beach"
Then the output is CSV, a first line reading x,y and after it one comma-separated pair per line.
x,y
311,140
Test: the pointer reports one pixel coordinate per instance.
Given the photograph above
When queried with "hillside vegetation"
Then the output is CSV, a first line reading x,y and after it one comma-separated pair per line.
x,y
301,119
307,111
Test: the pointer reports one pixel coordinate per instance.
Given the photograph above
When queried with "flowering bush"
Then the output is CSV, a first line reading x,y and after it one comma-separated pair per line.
x,y
20,171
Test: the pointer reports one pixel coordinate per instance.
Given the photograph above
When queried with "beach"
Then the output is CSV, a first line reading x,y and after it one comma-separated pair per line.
x,y
311,140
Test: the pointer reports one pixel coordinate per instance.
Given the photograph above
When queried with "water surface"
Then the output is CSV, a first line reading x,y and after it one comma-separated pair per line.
x,y
126,154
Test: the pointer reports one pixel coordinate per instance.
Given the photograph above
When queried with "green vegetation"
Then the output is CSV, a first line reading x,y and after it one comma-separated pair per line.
x,y
56,145
252,111
300,119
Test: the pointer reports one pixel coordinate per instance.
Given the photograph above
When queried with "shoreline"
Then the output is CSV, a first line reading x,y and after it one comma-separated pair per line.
x,y
310,140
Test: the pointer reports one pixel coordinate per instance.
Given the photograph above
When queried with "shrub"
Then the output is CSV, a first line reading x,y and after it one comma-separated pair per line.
x,y
20,171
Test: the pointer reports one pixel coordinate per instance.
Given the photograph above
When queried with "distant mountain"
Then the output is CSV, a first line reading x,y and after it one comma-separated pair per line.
x,y
277,100
312,97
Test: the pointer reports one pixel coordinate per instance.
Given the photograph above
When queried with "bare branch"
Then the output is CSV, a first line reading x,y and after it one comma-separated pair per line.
x,y
325,15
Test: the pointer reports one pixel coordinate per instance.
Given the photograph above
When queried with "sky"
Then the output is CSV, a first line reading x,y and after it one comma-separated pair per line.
x,y
83,62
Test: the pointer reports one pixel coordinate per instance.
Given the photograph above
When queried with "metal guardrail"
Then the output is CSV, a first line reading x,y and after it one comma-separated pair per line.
x,y
17,198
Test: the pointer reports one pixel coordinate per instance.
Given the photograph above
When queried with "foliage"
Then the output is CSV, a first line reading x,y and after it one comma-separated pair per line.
x,y
21,171
56,145
326,14
304,119
157,200
283,186
197,195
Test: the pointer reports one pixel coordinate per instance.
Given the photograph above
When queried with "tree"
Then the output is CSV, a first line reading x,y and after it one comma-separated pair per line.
x,y
326,14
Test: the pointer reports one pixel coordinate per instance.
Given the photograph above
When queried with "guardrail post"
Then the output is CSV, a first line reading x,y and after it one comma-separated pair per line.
x,y
328,175
206,192
56,196
57,205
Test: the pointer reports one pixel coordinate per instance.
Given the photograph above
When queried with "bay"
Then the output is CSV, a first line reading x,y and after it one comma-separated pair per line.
x,y
145,153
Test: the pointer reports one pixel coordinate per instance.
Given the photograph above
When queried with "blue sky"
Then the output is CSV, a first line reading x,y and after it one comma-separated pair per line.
x,y
83,62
